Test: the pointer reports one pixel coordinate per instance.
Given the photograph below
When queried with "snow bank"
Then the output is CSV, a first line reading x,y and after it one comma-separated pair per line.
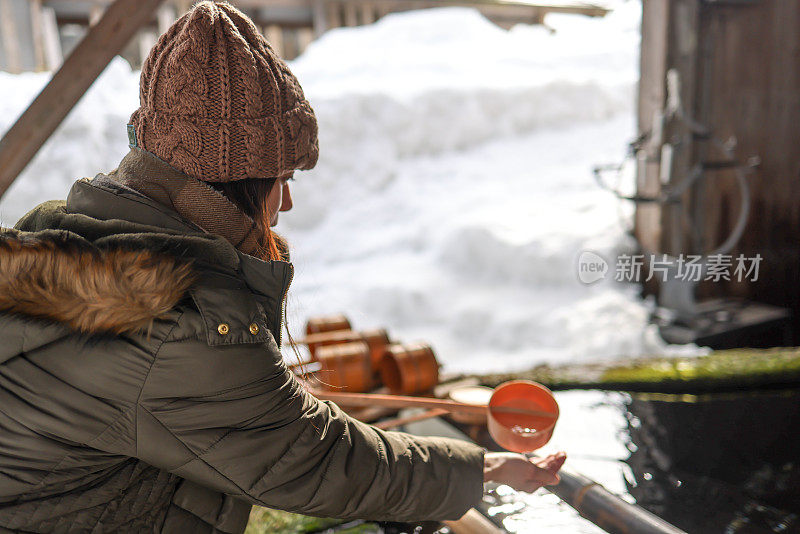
x,y
476,252
453,192
439,80
407,55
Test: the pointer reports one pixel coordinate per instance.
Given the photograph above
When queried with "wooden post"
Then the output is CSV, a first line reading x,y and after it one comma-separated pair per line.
x,y
651,100
304,38
21,143
382,9
8,32
274,35
538,14
320,18
682,45
53,55
37,23
334,14
367,12
290,44
350,13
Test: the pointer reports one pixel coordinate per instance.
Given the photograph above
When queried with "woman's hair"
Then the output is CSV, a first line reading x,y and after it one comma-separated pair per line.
x,y
250,195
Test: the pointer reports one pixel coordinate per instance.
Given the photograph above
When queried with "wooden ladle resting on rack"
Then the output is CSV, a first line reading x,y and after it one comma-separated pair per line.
x,y
367,400
521,414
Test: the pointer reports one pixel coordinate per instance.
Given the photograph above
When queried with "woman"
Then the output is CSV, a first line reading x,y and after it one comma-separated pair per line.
x,y
141,383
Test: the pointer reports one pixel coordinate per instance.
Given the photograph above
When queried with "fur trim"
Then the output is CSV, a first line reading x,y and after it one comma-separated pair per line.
x,y
70,281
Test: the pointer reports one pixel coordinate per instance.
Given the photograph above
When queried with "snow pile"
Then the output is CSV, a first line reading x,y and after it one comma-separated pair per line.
x,y
453,192
434,81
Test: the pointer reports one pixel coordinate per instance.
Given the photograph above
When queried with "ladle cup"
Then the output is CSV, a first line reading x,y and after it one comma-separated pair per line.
x,y
518,431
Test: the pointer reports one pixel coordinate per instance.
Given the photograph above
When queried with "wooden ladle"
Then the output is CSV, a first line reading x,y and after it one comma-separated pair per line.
x,y
400,401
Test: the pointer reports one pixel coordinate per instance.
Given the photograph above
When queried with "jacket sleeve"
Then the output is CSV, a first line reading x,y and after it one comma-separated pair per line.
x,y
234,418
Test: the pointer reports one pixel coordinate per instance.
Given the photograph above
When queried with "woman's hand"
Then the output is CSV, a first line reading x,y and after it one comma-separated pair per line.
x,y
521,473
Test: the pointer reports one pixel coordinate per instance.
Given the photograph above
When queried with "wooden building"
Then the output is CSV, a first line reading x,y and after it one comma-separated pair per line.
x,y
36,34
733,67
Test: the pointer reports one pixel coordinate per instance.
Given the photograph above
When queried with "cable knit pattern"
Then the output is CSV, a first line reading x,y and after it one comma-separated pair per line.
x,y
218,104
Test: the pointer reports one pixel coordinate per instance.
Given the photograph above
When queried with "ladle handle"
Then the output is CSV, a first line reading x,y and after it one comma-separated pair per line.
x,y
400,401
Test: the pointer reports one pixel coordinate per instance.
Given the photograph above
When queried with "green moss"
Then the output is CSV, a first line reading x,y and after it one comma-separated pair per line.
x,y
721,370
364,528
268,521
722,365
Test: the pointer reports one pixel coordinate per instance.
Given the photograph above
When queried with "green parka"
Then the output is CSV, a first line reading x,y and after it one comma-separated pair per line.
x,y
142,388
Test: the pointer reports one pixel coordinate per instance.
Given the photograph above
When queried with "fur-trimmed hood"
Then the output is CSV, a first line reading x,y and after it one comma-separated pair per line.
x,y
111,260
67,280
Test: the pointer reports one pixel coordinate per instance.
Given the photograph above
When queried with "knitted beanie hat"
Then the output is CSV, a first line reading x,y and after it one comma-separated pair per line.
x,y
218,104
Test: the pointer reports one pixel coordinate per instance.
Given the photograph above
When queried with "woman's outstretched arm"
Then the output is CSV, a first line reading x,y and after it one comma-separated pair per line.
x,y
234,419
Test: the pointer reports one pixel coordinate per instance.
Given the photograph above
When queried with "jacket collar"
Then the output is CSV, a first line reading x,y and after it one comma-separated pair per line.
x,y
104,218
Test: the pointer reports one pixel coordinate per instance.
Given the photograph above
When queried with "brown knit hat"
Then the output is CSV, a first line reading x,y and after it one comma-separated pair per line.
x,y
218,104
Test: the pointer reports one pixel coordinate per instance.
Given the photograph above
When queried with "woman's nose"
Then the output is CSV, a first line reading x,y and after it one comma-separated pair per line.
x,y
286,201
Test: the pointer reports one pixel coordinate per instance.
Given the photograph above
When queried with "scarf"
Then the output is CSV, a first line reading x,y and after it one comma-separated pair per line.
x,y
192,199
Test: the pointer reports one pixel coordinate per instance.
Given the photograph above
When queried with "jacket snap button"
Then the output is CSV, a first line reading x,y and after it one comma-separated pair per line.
x,y
223,328
254,329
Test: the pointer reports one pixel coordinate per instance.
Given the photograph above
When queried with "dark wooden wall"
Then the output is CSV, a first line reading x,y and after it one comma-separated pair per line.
x,y
740,70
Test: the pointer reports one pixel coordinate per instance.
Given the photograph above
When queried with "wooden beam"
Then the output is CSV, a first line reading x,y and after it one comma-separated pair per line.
x,y
103,41
583,8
